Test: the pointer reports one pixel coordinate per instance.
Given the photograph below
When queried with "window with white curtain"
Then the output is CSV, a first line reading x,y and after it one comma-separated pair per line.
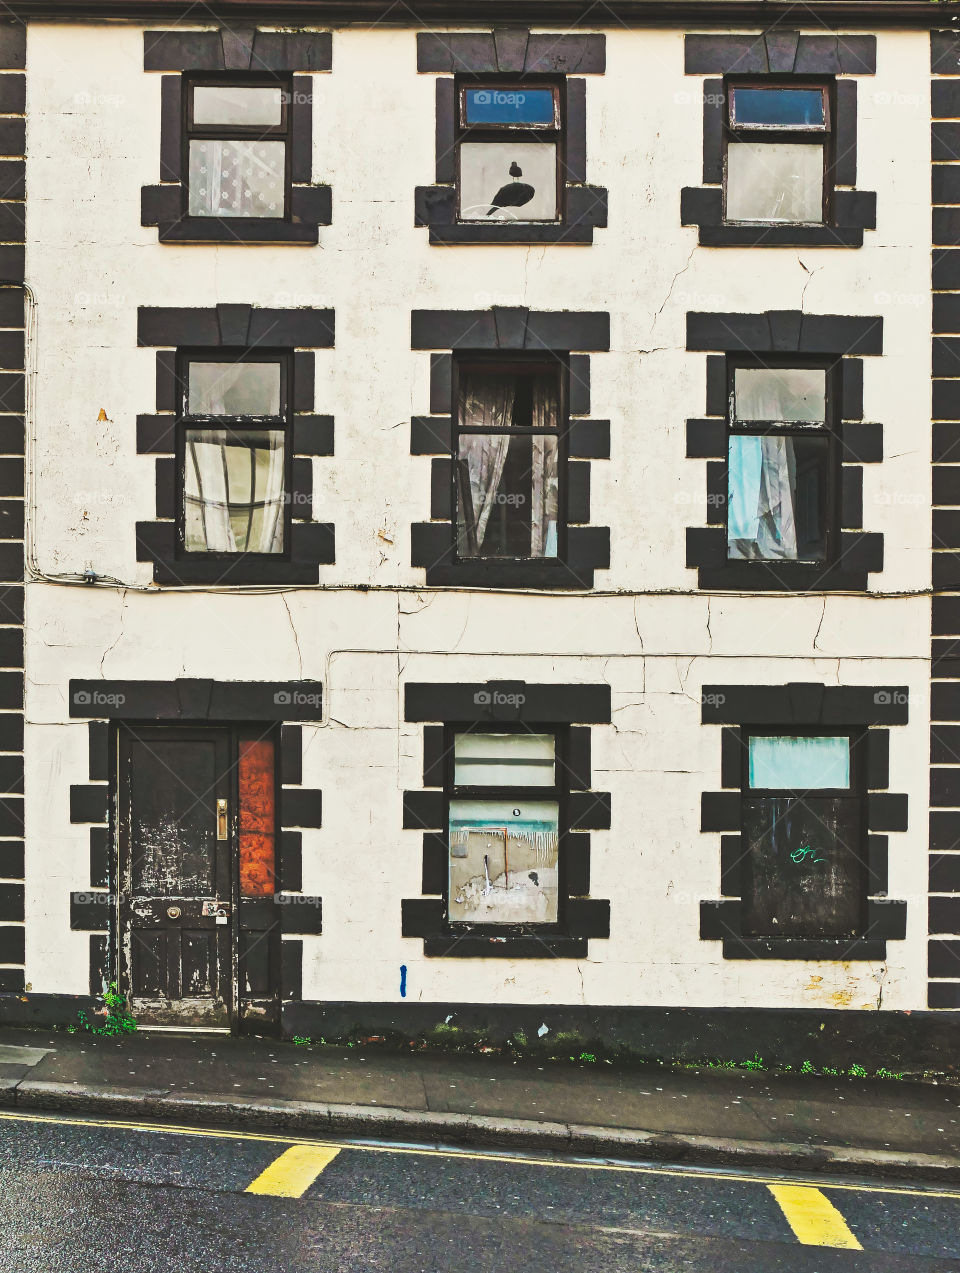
x,y
237,140
777,153
234,456
507,461
780,464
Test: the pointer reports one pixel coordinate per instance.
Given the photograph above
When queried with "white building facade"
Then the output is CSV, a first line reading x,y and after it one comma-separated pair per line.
x,y
443,602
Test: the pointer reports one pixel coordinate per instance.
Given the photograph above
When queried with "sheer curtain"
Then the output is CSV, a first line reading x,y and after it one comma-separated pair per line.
x,y
236,178
486,401
227,479
543,514
761,517
207,527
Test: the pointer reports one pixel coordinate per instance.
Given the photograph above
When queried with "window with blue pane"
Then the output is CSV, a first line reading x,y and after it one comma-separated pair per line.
x,y
778,157
781,461
509,151
804,867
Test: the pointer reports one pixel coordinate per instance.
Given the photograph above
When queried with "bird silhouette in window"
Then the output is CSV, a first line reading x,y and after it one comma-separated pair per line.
x,y
513,195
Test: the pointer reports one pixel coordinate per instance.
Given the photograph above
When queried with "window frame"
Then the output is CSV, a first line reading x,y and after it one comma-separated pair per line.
x,y
235,424
830,429
824,136
559,792
856,792
236,132
552,363
539,133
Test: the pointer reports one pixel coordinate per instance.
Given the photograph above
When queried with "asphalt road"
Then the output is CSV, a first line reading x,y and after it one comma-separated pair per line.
x,y
100,1197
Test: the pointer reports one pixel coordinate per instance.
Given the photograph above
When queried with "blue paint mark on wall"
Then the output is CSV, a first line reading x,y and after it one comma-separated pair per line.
x,y
403,981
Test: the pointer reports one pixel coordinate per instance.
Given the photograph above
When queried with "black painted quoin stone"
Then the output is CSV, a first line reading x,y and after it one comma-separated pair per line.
x,y
944,879
781,334
780,52
241,51
12,400
529,333
514,55
235,329
198,701
799,706
480,705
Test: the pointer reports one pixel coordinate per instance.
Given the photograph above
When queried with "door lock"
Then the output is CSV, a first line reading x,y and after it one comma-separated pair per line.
x,y
222,820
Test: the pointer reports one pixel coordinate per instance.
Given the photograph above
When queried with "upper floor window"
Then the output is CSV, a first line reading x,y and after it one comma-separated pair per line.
x,y
237,142
781,464
233,455
504,828
805,871
509,139
507,461
778,159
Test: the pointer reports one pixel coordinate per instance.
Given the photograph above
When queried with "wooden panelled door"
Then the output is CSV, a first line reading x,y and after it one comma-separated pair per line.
x,y
176,840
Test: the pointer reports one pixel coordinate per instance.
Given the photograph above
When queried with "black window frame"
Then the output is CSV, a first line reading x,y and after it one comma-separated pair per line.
x,y
824,137
229,132
539,364
233,424
856,792
831,430
559,792
540,133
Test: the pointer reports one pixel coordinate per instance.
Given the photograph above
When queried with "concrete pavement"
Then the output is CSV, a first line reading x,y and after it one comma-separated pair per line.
x,y
807,1123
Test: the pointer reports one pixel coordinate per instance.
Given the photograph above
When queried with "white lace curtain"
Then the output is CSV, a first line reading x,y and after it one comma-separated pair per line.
x,y
233,493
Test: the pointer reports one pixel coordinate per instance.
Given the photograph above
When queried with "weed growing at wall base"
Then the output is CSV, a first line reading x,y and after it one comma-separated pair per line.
x,y
117,1017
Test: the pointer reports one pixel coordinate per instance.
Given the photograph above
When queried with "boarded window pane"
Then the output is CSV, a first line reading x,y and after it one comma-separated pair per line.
x,y
509,106
215,104
799,764
496,760
234,491
776,498
503,861
803,870
784,394
774,182
508,181
255,779
237,178
234,388
781,107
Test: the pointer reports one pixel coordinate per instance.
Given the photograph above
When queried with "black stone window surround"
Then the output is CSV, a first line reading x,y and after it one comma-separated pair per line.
x,y
512,55
536,335
567,711
781,54
787,337
241,52
800,706
236,328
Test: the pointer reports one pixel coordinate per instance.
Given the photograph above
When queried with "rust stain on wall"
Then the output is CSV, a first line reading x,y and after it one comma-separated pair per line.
x,y
257,818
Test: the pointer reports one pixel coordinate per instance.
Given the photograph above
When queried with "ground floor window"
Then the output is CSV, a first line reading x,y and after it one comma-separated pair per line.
x,y
804,866
504,828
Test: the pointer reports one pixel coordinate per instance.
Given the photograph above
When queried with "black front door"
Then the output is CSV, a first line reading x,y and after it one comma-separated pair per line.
x,y
176,871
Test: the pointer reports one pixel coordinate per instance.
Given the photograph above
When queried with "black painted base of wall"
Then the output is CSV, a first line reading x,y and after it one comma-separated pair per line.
x,y
908,1042
45,1011
912,1043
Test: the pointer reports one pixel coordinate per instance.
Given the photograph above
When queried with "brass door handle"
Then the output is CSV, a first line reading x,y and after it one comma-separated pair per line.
x,y
222,833
173,912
